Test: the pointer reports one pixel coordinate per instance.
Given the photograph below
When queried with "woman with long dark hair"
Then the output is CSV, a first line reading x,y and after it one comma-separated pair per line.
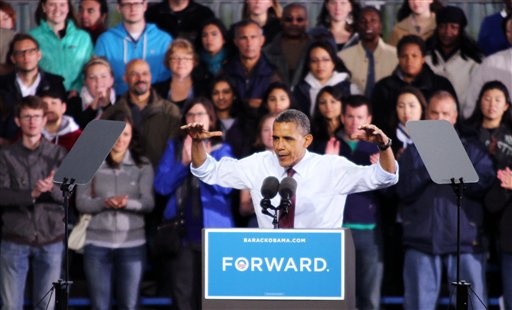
x,y
326,122
203,205
492,119
336,23
117,198
415,17
323,68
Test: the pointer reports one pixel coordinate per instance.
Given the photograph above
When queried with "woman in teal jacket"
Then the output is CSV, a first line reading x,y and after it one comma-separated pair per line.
x,y
65,48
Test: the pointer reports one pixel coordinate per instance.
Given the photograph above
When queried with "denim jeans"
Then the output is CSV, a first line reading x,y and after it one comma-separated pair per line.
x,y
506,276
15,260
122,267
369,268
423,273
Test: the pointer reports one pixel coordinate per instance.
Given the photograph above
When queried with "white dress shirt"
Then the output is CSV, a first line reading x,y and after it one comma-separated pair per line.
x,y
323,183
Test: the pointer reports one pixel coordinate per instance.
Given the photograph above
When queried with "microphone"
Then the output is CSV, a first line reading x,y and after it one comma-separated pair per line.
x,y
287,190
270,187
269,190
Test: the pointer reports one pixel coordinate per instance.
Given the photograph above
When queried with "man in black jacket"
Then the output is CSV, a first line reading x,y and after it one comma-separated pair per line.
x,y
180,18
27,79
411,70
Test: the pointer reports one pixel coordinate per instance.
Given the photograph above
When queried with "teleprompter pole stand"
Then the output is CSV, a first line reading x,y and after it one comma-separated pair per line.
x,y
62,286
461,286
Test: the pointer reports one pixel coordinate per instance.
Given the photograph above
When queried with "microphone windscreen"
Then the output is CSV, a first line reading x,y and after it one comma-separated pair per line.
x,y
270,187
287,187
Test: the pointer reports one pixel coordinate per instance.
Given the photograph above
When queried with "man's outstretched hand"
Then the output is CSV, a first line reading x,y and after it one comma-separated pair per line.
x,y
371,133
197,132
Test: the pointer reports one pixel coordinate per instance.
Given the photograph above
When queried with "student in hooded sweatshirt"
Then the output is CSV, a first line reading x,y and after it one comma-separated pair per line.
x,y
134,38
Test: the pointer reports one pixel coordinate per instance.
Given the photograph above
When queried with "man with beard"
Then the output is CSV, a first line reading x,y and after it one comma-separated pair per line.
x,y
292,42
156,119
60,129
371,59
92,17
454,54
27,79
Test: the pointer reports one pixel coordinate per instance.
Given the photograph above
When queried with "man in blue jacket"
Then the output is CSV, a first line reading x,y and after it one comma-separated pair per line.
x,y
133,38
429,214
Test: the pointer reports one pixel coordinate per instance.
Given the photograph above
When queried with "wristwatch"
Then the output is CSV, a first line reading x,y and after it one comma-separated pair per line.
x,y
384,147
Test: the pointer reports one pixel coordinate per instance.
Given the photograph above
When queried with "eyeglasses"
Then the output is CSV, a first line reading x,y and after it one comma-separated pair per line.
x,y
198,114
129,5
290,19
180,59
28,118
28,52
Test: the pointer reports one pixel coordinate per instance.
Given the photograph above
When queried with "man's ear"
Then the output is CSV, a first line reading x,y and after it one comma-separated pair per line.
x,y
17,121
308,139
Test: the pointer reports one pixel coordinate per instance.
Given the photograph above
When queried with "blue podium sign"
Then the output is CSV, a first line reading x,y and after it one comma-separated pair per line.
x,y
292,264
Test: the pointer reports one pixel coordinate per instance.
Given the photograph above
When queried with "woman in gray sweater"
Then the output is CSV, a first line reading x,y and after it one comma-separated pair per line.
x,y
117,199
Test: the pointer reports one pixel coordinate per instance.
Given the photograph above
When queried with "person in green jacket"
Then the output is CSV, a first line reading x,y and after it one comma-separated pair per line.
x,y
66,49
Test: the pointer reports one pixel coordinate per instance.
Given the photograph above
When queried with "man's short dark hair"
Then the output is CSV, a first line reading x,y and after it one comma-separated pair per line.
x,y
18,38
103,6
297,117
370,8
294,5
242,24
30,102
53,93
356,101
411,39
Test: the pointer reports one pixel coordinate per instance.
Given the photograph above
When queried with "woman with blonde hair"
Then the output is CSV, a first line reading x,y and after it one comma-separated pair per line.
x,y
181,59
96,95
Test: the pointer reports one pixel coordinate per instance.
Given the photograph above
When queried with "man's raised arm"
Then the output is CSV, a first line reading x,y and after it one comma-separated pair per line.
x,y
199,134
373,134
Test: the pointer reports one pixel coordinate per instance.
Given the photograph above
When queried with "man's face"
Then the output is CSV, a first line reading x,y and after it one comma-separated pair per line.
x,y
411,60
295,22
290,143
132,11
442,109
448,34
249,42
31,122
89,13
138,78
25,56
56,109
369,25
354,117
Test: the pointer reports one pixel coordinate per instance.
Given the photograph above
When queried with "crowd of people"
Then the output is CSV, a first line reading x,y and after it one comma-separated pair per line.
x,y
173,63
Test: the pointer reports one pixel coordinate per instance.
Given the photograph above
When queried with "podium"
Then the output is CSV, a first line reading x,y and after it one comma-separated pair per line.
x,y
278,269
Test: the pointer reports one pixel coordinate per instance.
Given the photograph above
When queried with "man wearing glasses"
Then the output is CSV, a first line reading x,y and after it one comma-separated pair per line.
x,y
27,79
32,213
133,38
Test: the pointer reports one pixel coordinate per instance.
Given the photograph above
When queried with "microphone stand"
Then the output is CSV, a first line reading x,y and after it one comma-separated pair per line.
x,y
265,205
